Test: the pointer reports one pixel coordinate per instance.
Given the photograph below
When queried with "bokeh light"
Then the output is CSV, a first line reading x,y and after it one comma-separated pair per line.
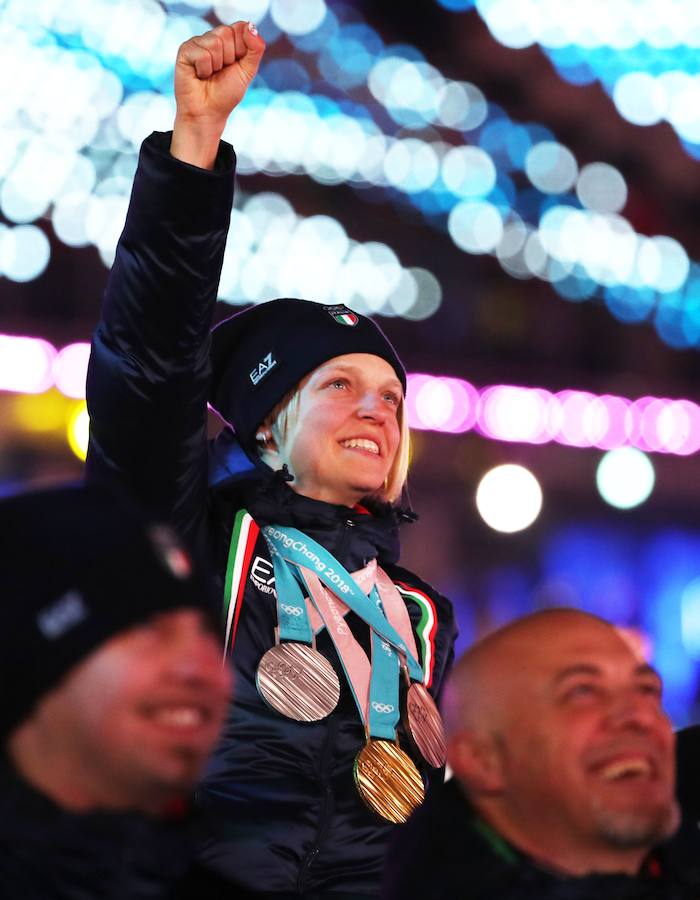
x,y
625,477
78,430
509,498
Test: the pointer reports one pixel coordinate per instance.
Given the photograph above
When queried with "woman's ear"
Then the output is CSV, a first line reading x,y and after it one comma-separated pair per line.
x,y
267,446
476,762
264,438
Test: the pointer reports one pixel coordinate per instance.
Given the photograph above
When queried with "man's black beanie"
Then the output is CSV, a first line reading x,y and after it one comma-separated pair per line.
x,y
78,566
262,353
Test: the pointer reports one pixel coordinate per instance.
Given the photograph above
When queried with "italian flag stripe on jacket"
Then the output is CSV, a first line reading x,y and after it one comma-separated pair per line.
x,y
244,535
426,627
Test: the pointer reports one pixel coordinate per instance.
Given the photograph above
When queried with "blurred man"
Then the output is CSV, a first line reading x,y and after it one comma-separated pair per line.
x,y
563,785
113,693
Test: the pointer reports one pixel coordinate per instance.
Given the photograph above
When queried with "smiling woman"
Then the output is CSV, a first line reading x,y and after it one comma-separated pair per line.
x,y
340,433
329,639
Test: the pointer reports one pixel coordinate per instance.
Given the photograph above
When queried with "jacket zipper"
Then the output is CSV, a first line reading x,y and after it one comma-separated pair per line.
x,y
326,803
344,539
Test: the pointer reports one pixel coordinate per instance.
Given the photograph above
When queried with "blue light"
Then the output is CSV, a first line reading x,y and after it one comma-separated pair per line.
x,y
508,594
347,57
638,580
576,287
669,321
457,5
286,75
504,194
690,618
629,305
669,562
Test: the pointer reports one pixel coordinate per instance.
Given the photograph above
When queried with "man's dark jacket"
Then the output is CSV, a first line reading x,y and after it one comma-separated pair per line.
x,y
445,852
288,817
47,853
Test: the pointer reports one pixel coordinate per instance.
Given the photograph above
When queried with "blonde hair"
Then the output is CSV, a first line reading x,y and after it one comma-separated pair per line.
x,y
284,416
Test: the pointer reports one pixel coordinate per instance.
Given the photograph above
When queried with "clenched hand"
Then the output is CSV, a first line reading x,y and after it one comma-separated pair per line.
x,y
212,73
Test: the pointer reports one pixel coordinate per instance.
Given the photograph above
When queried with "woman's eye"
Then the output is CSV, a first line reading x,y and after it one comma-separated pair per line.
x,y
338,383
391,398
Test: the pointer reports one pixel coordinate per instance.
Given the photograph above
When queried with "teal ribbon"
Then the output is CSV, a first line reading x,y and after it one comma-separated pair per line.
x,y
291,547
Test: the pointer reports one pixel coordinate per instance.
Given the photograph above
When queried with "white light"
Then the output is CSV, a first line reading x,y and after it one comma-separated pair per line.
x,y
625,477
468,172
144,112
513,23
551,167
24,252
230,10
429,294
509,498
640,98
661,263
295,17
476,227
602,188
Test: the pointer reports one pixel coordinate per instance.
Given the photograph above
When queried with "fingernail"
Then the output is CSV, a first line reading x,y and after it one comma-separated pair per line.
x,y
251,28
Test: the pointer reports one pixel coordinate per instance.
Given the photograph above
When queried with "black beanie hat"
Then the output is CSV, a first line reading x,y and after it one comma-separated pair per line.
x,y
262,353
78,567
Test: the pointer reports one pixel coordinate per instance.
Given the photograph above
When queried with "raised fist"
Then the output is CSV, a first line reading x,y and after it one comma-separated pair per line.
x,y
213,70
212,74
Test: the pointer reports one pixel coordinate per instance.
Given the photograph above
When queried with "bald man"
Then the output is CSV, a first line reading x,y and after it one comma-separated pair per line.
x,y
563,762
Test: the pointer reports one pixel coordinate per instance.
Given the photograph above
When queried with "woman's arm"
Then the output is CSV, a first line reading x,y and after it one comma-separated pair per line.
x,y
149,369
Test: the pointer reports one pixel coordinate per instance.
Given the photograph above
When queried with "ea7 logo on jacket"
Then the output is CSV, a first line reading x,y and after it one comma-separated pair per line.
x,y
263,576
266,364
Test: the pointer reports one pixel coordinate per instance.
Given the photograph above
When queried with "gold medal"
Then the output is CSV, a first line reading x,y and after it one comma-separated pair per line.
x,y
387,780
298,682
424,724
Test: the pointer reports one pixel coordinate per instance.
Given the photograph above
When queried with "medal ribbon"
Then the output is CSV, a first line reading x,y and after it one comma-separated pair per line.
x,y
300,550
375,687
292,615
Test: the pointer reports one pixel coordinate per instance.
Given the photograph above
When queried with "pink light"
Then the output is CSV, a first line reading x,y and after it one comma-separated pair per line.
x,y
413,386
691,444
465,405
638,423
615,435
70,369
25,364
651,432
499,412
435,404
596,421
441,404
577,420
510,413
677,426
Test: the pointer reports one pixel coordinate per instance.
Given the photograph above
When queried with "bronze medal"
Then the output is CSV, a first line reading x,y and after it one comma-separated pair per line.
x,y
298,682
388,781
424,724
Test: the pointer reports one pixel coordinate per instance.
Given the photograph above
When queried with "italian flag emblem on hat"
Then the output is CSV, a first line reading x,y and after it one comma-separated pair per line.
x,y
342,315
347,318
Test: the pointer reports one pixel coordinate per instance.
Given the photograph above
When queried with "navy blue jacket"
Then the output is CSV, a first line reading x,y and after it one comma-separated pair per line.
x,y
288,817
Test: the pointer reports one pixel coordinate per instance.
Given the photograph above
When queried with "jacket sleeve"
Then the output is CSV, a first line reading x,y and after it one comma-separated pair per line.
x,y
149,371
